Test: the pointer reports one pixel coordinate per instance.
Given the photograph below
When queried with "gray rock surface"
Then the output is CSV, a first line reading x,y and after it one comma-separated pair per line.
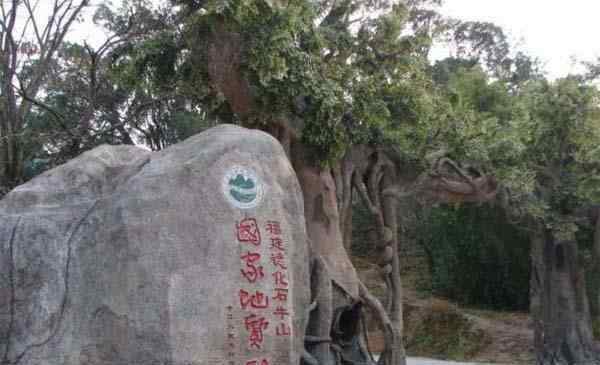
x,y
127,257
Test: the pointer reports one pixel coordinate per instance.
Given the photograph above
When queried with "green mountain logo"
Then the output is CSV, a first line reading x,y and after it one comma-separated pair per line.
x,y
242,189
241,182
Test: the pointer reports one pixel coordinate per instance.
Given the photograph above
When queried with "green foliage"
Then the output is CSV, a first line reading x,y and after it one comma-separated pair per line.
x,y
336,82
585,240
540,139
478,258
562,133
596,328
282,62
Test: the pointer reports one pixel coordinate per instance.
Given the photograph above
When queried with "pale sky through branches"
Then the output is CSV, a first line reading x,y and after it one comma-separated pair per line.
x,y
556,32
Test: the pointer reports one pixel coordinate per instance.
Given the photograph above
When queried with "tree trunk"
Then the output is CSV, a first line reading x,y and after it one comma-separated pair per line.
x,y
374,174
11,164
323,219
559,303
390,212
343,173
332,335
318,332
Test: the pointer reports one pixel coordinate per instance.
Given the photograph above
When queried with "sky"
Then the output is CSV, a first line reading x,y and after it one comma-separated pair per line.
x,y
556,32
559,33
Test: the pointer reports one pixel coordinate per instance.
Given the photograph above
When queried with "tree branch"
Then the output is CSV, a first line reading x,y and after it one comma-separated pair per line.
x,y
31,11
364,194
51,44
454,166
397,193
383,318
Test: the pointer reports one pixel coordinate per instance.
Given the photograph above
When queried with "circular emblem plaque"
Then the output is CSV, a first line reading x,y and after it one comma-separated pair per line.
x,y
242,188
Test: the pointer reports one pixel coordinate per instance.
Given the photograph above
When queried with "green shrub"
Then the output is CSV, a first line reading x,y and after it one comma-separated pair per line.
x,y
585,238
477,257
596,328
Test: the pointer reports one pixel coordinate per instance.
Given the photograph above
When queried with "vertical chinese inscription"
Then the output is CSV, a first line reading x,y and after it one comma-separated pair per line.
x,y
263,296
252,301
279,264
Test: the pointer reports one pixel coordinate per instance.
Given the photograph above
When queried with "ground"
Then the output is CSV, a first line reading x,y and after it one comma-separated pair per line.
x,y
426,361
437,328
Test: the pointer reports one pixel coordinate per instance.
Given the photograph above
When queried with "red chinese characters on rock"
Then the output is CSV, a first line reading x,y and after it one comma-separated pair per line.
x,y
253,300
256,326
253,271
257,301
281,312
258,362
274,228
278,260
281,294
277,244
248,232
280,279
283,330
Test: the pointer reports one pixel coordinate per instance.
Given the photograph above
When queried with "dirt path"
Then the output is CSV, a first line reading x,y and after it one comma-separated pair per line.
x,y
511,338
508,335
425,361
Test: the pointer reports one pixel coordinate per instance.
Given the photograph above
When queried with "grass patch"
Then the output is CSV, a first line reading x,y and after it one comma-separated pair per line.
x,y
596,328
441,331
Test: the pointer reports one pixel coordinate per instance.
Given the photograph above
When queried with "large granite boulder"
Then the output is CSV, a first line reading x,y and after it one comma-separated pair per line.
x,y
194,255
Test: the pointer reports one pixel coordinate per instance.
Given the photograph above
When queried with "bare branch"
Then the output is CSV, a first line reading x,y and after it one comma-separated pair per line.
x,y
31,11
51,44
48,29
59,118
397,192
442,186
3,10
374,180
9,20
446,161
364,194
380,314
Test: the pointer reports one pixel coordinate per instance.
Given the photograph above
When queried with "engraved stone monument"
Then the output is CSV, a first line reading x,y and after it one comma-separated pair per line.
x,y
196,255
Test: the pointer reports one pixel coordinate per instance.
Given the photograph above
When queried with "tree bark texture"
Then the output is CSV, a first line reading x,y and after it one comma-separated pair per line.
x,y
559,305
323,218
